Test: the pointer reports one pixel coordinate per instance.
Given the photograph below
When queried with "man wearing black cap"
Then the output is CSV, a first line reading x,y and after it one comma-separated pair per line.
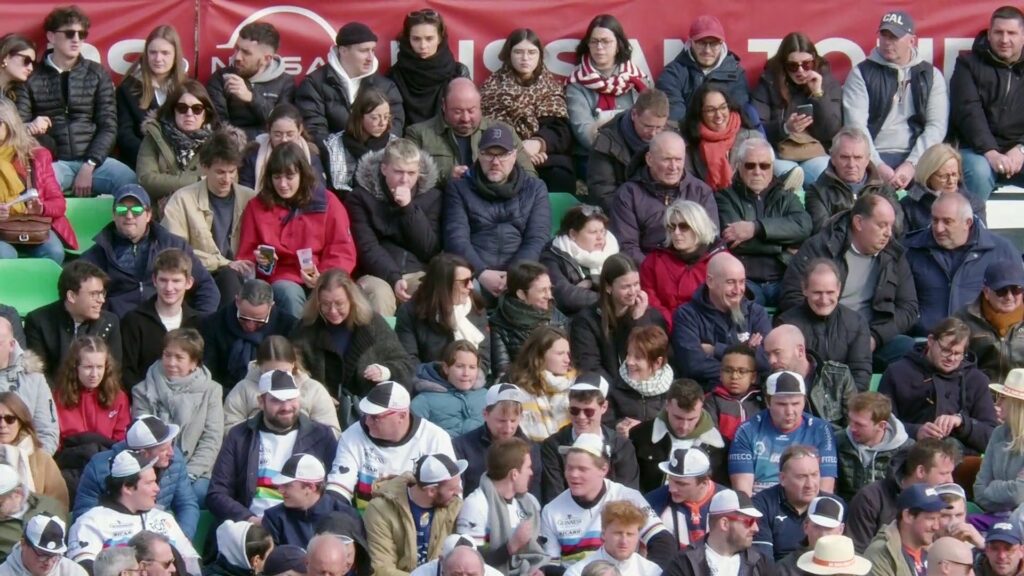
x,y
824,518
129,507
901,547
496,214
898,98
41,551
254,452
1003,554
412,514
301,484
154,439
996,320
325,97
285,560
127,247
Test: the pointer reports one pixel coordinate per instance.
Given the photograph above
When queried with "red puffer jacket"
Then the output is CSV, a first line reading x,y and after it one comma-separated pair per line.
x,y
50,194
322,226
670,281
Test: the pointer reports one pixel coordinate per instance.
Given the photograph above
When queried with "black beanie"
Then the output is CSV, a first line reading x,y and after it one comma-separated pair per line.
x,y
354,33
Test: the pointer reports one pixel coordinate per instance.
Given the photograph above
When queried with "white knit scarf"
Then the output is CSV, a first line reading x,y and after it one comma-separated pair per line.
x,y
592,261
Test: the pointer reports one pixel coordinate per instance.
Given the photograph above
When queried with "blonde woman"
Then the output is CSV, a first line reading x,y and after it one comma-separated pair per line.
x,y
999,487
939,171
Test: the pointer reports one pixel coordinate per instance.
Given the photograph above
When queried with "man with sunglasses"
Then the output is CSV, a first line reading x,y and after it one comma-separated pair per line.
x,y
762,222
996,320
153,552
728,547
898,98
126,250
938,391
41,551
637,210
705,58
68,102
233,333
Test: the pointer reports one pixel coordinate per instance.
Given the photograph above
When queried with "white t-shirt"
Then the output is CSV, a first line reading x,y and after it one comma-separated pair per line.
x,y
360,461
572,531
719,565
472,520
635,565
102,527
171,322
275,450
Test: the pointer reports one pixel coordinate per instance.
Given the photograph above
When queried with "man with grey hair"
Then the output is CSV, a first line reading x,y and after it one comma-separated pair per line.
x,y
638,208
718,316
234,333
395,209
118,561
153,552
17,506
463,561
762,222
949,258
850,174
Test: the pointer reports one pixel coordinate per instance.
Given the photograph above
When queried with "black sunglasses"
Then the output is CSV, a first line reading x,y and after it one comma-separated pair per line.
x,y
72,34
764,166
1015,290
806,65
25,59
588,412
9,419
182,108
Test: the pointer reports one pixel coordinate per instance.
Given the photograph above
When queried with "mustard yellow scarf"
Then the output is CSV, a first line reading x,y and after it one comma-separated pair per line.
x,y
11,185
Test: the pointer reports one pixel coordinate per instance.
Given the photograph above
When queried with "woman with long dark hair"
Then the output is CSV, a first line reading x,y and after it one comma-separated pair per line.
x,y
368,130
795,78
284,124
425,65
713,124
17,60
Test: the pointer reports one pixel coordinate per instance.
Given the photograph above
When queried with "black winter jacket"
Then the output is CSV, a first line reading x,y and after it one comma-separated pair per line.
x,y
508,333
986,98
391,240
920,393
593,351
874,506
842,336
374,343
774,110
894,305
829,195
130,116
325,103
565,274
144,333
426,342
252,116
80,103
654,443
472,447
220,332
996,354
49,332
623,468
610,162
917,206
693,562
681,78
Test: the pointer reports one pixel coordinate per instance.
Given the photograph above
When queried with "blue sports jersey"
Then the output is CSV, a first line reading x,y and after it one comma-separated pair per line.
x,y
759,446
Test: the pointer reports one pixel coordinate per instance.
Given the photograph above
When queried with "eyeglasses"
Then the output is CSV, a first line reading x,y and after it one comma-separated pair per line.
x,y
764,166
949,352
44,556
806,65
746,520
601,42
382,415
678,227
1015,290
196,109
72,34
260,321
26,60
716,109
166,564
9,419
737,371
123,211
489,157
97,294
588,412
947,177
708,44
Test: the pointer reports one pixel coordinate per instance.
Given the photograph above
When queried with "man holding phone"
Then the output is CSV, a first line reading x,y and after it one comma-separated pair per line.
x,y
899,99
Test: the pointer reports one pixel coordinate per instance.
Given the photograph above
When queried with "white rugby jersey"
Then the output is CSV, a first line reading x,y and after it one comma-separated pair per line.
x,y
104,527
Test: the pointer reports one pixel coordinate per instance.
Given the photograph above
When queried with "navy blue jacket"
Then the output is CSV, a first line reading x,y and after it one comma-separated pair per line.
x,y
297,527
472,447
780,530
126,290
942,291
233,481
681,78
494,233
698,321
176,494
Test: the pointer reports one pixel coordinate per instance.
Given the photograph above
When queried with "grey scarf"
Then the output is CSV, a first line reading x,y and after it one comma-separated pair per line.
x,y
528,559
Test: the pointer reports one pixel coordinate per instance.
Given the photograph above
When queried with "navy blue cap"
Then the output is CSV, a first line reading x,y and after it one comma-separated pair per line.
x,y
132,191
1003,532
1003,273
920,497
284,558
498,136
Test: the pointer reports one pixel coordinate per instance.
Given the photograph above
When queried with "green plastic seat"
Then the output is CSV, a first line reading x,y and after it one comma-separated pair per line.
x,y
561,202
88,216
801,194
28,283
391,320
876,379
206,523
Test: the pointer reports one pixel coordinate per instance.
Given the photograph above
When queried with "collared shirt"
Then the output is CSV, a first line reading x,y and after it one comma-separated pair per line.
x,y
781,528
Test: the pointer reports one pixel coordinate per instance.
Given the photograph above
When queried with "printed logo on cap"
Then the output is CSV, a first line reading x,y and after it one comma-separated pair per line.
x,y
46,533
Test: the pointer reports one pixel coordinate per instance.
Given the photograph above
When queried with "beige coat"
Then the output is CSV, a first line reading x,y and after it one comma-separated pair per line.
x,y
188,214
314,401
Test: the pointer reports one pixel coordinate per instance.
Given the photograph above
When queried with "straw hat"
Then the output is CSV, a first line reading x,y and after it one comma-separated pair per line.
x,y
1013,386
833,555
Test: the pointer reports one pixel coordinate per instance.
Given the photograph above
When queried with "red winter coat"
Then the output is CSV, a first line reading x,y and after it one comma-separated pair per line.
x,y
670,282
50,194
89,416
322,225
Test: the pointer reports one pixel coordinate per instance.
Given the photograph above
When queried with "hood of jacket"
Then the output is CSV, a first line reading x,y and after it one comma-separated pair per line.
x,y
368,175
21,362
430,379
273,71
983,50
915,59
727,61
337,68
704,432
894,437
231,542
254,373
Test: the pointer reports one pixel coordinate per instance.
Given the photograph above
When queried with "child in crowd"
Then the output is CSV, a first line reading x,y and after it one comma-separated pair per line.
x,y
737,396
451,392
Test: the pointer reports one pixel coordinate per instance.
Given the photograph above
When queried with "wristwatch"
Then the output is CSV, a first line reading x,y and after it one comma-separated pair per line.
x,y
90,162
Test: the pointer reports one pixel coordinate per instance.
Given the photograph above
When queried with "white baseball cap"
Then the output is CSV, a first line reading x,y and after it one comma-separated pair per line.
x,y
502,392
47,534
9,479
785,382
589,443
732,501
148,431
129,463
590,381
826,512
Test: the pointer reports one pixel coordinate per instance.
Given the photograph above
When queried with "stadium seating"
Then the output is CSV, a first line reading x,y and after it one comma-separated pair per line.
x,y
561,202
28,283
88,216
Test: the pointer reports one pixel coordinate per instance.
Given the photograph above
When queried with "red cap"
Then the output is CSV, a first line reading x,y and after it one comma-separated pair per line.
x,y
706,26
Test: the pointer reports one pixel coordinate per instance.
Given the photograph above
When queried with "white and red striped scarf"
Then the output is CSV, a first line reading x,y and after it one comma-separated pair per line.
x,y
628,78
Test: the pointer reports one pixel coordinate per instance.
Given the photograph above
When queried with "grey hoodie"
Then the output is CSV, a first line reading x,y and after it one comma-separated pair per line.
x,y
13,566
273,71
894,437
895,134
24,377
999,486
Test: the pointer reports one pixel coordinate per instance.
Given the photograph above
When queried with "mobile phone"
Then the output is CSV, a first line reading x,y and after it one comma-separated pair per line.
x,y
267,251
805,109
305,256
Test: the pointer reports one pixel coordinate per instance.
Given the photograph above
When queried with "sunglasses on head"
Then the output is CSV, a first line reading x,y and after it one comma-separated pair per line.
x,y
806,66
182,108
424,13
9,419
1015,290
124,210
589,210
764,166
588,412
72,34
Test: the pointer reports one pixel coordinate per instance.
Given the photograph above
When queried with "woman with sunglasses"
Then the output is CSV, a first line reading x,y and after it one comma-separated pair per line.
x,y
939,171
713,124
277,353
285,124
543,371
444,309
600,331
21,449
604,82
294,228
17,60
793,80
425,65
25,165
368,130
575,256
671,275
344,343
168,156
527,97
526,304
159,70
